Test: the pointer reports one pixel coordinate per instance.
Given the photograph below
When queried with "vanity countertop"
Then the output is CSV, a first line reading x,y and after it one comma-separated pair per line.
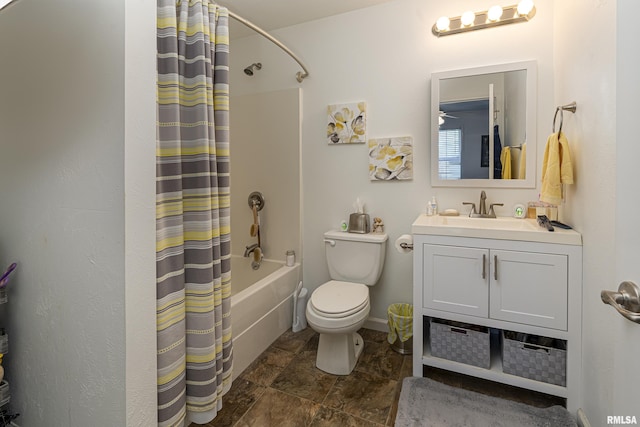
x,y
502,228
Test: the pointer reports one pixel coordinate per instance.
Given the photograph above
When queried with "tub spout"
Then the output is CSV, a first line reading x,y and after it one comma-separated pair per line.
x,y
249,249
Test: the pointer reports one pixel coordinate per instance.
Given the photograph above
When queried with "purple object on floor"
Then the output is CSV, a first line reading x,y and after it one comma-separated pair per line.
x,y
4,280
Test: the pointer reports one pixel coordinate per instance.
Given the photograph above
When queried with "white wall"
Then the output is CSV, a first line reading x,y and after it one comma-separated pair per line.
x,y
585,72
384,55
63,212
139,212
265,157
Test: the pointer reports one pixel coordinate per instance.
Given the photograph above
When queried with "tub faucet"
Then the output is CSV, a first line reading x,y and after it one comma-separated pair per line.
x,y
249,249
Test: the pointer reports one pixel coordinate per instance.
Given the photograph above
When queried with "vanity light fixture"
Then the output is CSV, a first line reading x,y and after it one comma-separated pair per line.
x,y
4,3
496,15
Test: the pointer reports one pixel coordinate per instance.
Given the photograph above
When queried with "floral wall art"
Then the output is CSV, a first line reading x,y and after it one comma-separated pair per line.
x,y
391,159
347,123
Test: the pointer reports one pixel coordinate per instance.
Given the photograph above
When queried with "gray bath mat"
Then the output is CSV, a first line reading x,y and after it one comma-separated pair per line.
x,y
424,402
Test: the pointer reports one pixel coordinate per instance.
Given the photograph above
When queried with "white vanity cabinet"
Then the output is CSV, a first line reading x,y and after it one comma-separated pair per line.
x,y
516,286
530,287
457,278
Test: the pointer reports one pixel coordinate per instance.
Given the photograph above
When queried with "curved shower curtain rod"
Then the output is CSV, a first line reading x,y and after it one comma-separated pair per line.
x,y
300,75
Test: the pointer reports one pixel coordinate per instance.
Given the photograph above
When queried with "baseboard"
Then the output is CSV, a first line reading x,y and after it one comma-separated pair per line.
x,y
376,324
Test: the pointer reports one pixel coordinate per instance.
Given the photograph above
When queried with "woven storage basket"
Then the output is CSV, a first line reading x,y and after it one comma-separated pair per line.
x,y
526,356
461,342
4,393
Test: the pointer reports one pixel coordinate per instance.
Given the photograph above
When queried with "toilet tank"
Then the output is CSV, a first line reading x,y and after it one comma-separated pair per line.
x,y
357,258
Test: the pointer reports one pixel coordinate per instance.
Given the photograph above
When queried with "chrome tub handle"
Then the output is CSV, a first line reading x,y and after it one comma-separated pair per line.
x,y
626,301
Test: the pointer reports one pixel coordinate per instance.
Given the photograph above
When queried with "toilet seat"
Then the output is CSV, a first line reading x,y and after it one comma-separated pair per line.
x,y
336,299
347,324
338,306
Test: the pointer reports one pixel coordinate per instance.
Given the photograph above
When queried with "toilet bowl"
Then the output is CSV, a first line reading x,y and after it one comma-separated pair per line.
x,y
336,311
339,307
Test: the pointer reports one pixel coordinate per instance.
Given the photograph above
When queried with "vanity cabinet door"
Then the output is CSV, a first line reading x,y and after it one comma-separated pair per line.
x,y
456,279
529,288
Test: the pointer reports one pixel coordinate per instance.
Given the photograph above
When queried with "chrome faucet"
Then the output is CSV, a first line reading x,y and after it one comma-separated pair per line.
x,y
249,249
483,207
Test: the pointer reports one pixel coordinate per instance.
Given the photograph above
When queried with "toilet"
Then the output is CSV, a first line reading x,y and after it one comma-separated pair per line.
x,y
339,307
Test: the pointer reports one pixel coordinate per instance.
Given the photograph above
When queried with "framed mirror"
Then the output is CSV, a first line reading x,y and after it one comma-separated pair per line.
x,y
483,126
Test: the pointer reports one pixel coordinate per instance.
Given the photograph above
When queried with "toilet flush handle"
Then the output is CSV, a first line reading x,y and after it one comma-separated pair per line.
x,y
330,242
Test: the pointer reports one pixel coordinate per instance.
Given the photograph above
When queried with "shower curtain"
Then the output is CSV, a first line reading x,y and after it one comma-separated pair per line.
x,y
192,212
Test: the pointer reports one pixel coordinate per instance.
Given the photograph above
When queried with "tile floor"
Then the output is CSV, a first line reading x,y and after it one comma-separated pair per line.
x,y
284,388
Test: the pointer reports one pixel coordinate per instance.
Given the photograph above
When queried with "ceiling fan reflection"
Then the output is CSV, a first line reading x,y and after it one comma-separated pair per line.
x,y
442,115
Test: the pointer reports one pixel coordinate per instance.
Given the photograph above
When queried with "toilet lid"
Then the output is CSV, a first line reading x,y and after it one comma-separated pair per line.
x,y
338,299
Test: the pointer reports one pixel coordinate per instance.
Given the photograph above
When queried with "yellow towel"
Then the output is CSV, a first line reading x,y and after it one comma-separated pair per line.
x,y
556,168
505,159
522,173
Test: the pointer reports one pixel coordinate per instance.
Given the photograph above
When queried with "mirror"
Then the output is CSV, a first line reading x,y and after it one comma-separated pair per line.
x,y
483,126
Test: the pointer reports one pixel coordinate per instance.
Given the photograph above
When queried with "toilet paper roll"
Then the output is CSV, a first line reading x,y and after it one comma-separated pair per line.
x,y
408,240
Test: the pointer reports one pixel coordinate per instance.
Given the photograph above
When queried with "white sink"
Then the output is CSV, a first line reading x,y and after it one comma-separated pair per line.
x,y
500,223
503,228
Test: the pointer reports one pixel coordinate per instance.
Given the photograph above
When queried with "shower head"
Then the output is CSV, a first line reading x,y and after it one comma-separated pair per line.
x,y
249,70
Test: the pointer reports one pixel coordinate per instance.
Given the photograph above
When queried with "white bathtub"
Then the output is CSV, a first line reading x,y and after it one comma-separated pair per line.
x,y
261,307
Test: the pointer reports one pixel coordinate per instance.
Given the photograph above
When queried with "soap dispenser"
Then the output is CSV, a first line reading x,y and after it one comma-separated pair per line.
x,y
433,206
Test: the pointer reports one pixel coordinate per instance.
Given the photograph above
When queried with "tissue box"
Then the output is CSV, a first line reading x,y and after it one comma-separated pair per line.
x,y
359,223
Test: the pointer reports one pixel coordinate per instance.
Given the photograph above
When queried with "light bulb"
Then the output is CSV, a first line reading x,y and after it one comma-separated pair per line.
x,y
440,121
442,24
524,7
467,18
494,13
3,3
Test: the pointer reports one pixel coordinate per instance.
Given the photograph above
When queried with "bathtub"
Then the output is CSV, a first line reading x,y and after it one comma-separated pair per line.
x,y
261,307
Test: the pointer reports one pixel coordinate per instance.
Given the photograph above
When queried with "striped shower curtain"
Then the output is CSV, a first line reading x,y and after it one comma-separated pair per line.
x,y
192,212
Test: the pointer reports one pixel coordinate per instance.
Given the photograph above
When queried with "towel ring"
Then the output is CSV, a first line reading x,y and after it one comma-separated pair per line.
x,y
554,120
569,107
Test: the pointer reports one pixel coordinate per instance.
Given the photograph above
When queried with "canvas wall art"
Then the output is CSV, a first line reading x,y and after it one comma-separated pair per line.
x,y
347,123
391,159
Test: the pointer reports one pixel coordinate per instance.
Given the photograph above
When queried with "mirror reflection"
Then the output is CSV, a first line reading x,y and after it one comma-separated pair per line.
x,y
483,124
